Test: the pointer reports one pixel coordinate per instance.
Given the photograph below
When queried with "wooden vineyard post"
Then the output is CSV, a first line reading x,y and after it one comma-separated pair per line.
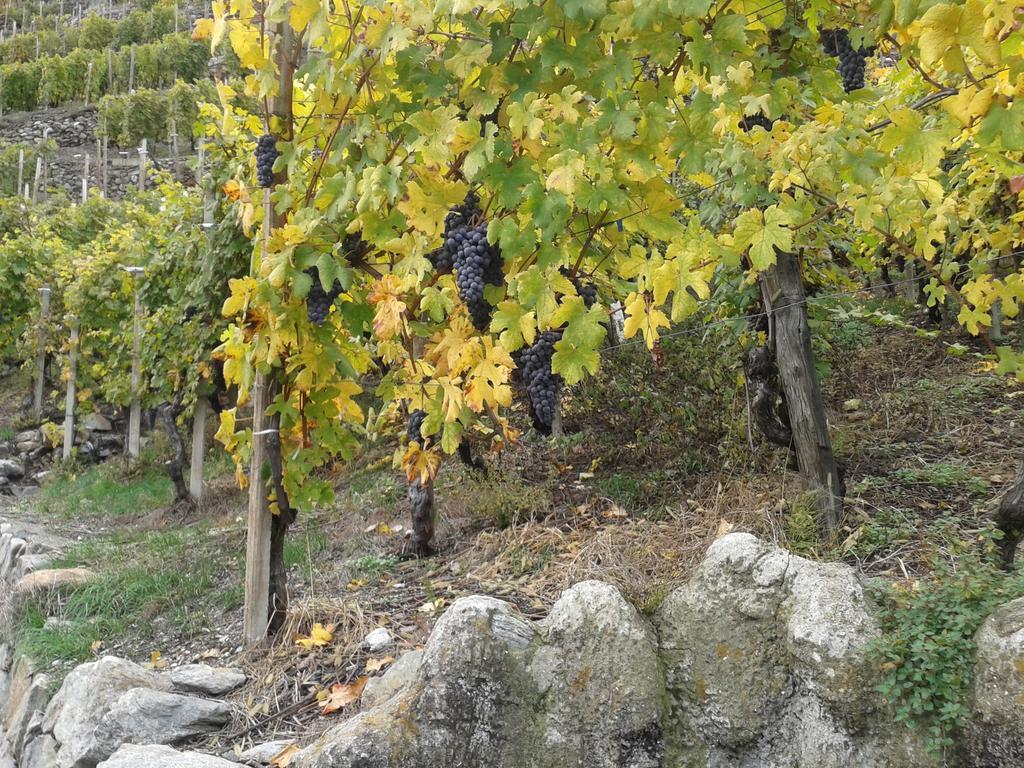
x,y
85,179
142,165
21,171
996,331
106,164
135,409
195,479
256,612
131,69
69,400
38,180
40,382
110,69
785,300
255,616
88,82
174,148
263,528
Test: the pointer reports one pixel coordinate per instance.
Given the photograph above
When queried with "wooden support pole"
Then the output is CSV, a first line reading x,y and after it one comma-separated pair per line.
x,y
69,400
88,83
38,180
135,408
21,170
131,69
195,480
255,614
44,316
996,331
142,166
783,293
106,164
174,148
85,179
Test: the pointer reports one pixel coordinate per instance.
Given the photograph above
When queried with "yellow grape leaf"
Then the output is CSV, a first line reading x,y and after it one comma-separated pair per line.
x,y
318,637
420,464
389,318
220,24
762,232
566,171
301,12
969,104
431,606
246,42
341,695
203,29
948,27
487,383
643,317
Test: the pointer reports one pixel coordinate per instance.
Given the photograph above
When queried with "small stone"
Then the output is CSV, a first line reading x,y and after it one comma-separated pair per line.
x,y
261,754
97,422
51,580
202,678
378,640
11,469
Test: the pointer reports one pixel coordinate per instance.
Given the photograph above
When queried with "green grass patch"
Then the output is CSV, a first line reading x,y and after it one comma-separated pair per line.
x,y
374,566
103,492
146,583
927,649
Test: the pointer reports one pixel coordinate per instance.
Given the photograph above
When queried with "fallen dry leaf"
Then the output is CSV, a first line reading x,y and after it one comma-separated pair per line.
x,y
96,646
155,662
284,758
376,665
432,605
318,637
724,527
341,695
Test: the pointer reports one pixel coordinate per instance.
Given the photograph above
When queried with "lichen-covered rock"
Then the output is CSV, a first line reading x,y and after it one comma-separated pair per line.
x,y
767,664
995,734
600,680
87,694
494,691
399,675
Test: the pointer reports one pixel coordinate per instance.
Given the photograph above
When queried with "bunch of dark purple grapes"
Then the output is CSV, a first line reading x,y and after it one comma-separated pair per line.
x,y
318,300
852,61
749,122
354,247
543,388
477,263
266,155
412,429
586,291
457,219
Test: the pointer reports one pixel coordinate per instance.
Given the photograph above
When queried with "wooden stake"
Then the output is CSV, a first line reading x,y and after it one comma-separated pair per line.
x,y
44,315
135,409
131,69
88,83
996,331
38,180
106,163
85,179
783,293
69,400
195,480
174,147
142,166
21,170
256,612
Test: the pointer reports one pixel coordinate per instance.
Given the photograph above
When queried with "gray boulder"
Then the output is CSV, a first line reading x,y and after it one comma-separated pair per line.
x,y
146,716
11,469
581,688
41,752
155,756
87,695
398,676
202,678
767,663
995,734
